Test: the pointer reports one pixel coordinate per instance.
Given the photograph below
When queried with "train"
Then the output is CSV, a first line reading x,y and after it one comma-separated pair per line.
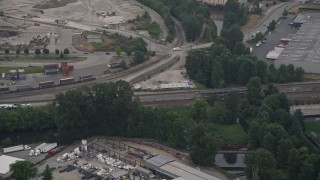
x,y
46,84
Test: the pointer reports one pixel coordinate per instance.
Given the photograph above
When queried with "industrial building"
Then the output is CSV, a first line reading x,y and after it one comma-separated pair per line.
x,y
5,165
94,39
303,48
168,168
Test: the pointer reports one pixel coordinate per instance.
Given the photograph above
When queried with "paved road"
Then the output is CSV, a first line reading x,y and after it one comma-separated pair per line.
x,y
273,13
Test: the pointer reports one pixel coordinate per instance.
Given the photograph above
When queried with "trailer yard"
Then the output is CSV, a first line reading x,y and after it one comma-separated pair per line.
x,y
105,158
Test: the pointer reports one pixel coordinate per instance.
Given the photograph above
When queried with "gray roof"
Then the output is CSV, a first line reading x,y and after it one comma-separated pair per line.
x,y
304,48
118,173
159,160
143,171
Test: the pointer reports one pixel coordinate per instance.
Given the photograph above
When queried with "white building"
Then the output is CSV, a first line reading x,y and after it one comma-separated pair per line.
x,y
5,162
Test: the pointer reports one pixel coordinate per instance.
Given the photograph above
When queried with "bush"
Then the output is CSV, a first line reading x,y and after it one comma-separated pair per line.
x,y
7,51
66,51
37,51
26,50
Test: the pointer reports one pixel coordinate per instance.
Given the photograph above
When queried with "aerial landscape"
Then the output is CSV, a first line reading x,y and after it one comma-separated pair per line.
x,y
160,89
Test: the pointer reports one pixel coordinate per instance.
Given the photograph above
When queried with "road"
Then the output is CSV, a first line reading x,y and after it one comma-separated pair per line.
x,y
274,13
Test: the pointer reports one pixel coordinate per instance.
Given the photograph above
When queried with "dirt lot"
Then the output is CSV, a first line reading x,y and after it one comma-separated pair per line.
x,y
252,22
53,4
109,42
296,8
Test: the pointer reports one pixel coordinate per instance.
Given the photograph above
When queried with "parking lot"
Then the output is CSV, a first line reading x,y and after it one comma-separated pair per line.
x,y
282,30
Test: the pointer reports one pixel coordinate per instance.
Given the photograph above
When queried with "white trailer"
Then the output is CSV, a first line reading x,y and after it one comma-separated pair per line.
x,y
40,146
48,147
13,149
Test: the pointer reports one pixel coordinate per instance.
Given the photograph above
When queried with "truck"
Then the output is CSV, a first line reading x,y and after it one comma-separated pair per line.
x,y
15,148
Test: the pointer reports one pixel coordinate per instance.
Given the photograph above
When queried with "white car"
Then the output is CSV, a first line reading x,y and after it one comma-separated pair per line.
x,y
177,49
258,44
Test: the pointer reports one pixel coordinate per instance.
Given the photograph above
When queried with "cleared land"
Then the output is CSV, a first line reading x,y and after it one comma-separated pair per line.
x,y
252,22
295,9
53,4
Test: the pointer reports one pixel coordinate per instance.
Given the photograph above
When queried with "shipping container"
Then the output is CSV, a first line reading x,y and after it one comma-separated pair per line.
x,y
46,84
13,149
48,147
67,81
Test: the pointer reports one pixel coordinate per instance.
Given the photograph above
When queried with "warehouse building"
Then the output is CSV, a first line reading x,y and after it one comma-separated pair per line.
x,y
303,50
168,168
5,162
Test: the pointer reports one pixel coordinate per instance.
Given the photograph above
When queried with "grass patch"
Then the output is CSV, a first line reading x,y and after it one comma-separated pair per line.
x,y
313,126
199,86
232,133
22,57
29,70
152,28
251,23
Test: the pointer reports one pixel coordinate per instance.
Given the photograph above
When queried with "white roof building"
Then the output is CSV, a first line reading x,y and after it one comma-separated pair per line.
x,y
5,163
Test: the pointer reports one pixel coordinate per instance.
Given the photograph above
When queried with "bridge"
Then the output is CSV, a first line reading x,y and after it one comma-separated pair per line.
x,y
214,2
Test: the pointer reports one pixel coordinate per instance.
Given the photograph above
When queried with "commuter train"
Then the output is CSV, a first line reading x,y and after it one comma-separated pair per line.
x,y
46,84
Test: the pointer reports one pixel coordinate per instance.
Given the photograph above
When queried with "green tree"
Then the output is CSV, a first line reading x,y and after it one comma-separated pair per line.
x,y
123,64
22,170
203,144
293,163
254,133
47,173
118,51
217,74
66,51
258,37
1,14
7,51
254,91
282,154
6,142
272,25
61,55
57,51
285,12
138,57
307,171
260,163
232,102
17,51
45,51
37,51
199,110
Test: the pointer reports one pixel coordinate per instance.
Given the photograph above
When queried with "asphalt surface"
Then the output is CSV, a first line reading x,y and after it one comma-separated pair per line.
x,y
282,30
273,13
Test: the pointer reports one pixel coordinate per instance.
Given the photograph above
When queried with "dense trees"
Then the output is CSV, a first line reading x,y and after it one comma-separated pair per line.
x,y
47,173
278,134
22,170
192,15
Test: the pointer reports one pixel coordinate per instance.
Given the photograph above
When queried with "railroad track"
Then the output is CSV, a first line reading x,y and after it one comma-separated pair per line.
x,y
108,78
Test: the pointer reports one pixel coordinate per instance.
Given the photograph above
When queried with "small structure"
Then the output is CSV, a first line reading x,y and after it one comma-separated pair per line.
x,y
6,161
13,74
21,74
94,39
